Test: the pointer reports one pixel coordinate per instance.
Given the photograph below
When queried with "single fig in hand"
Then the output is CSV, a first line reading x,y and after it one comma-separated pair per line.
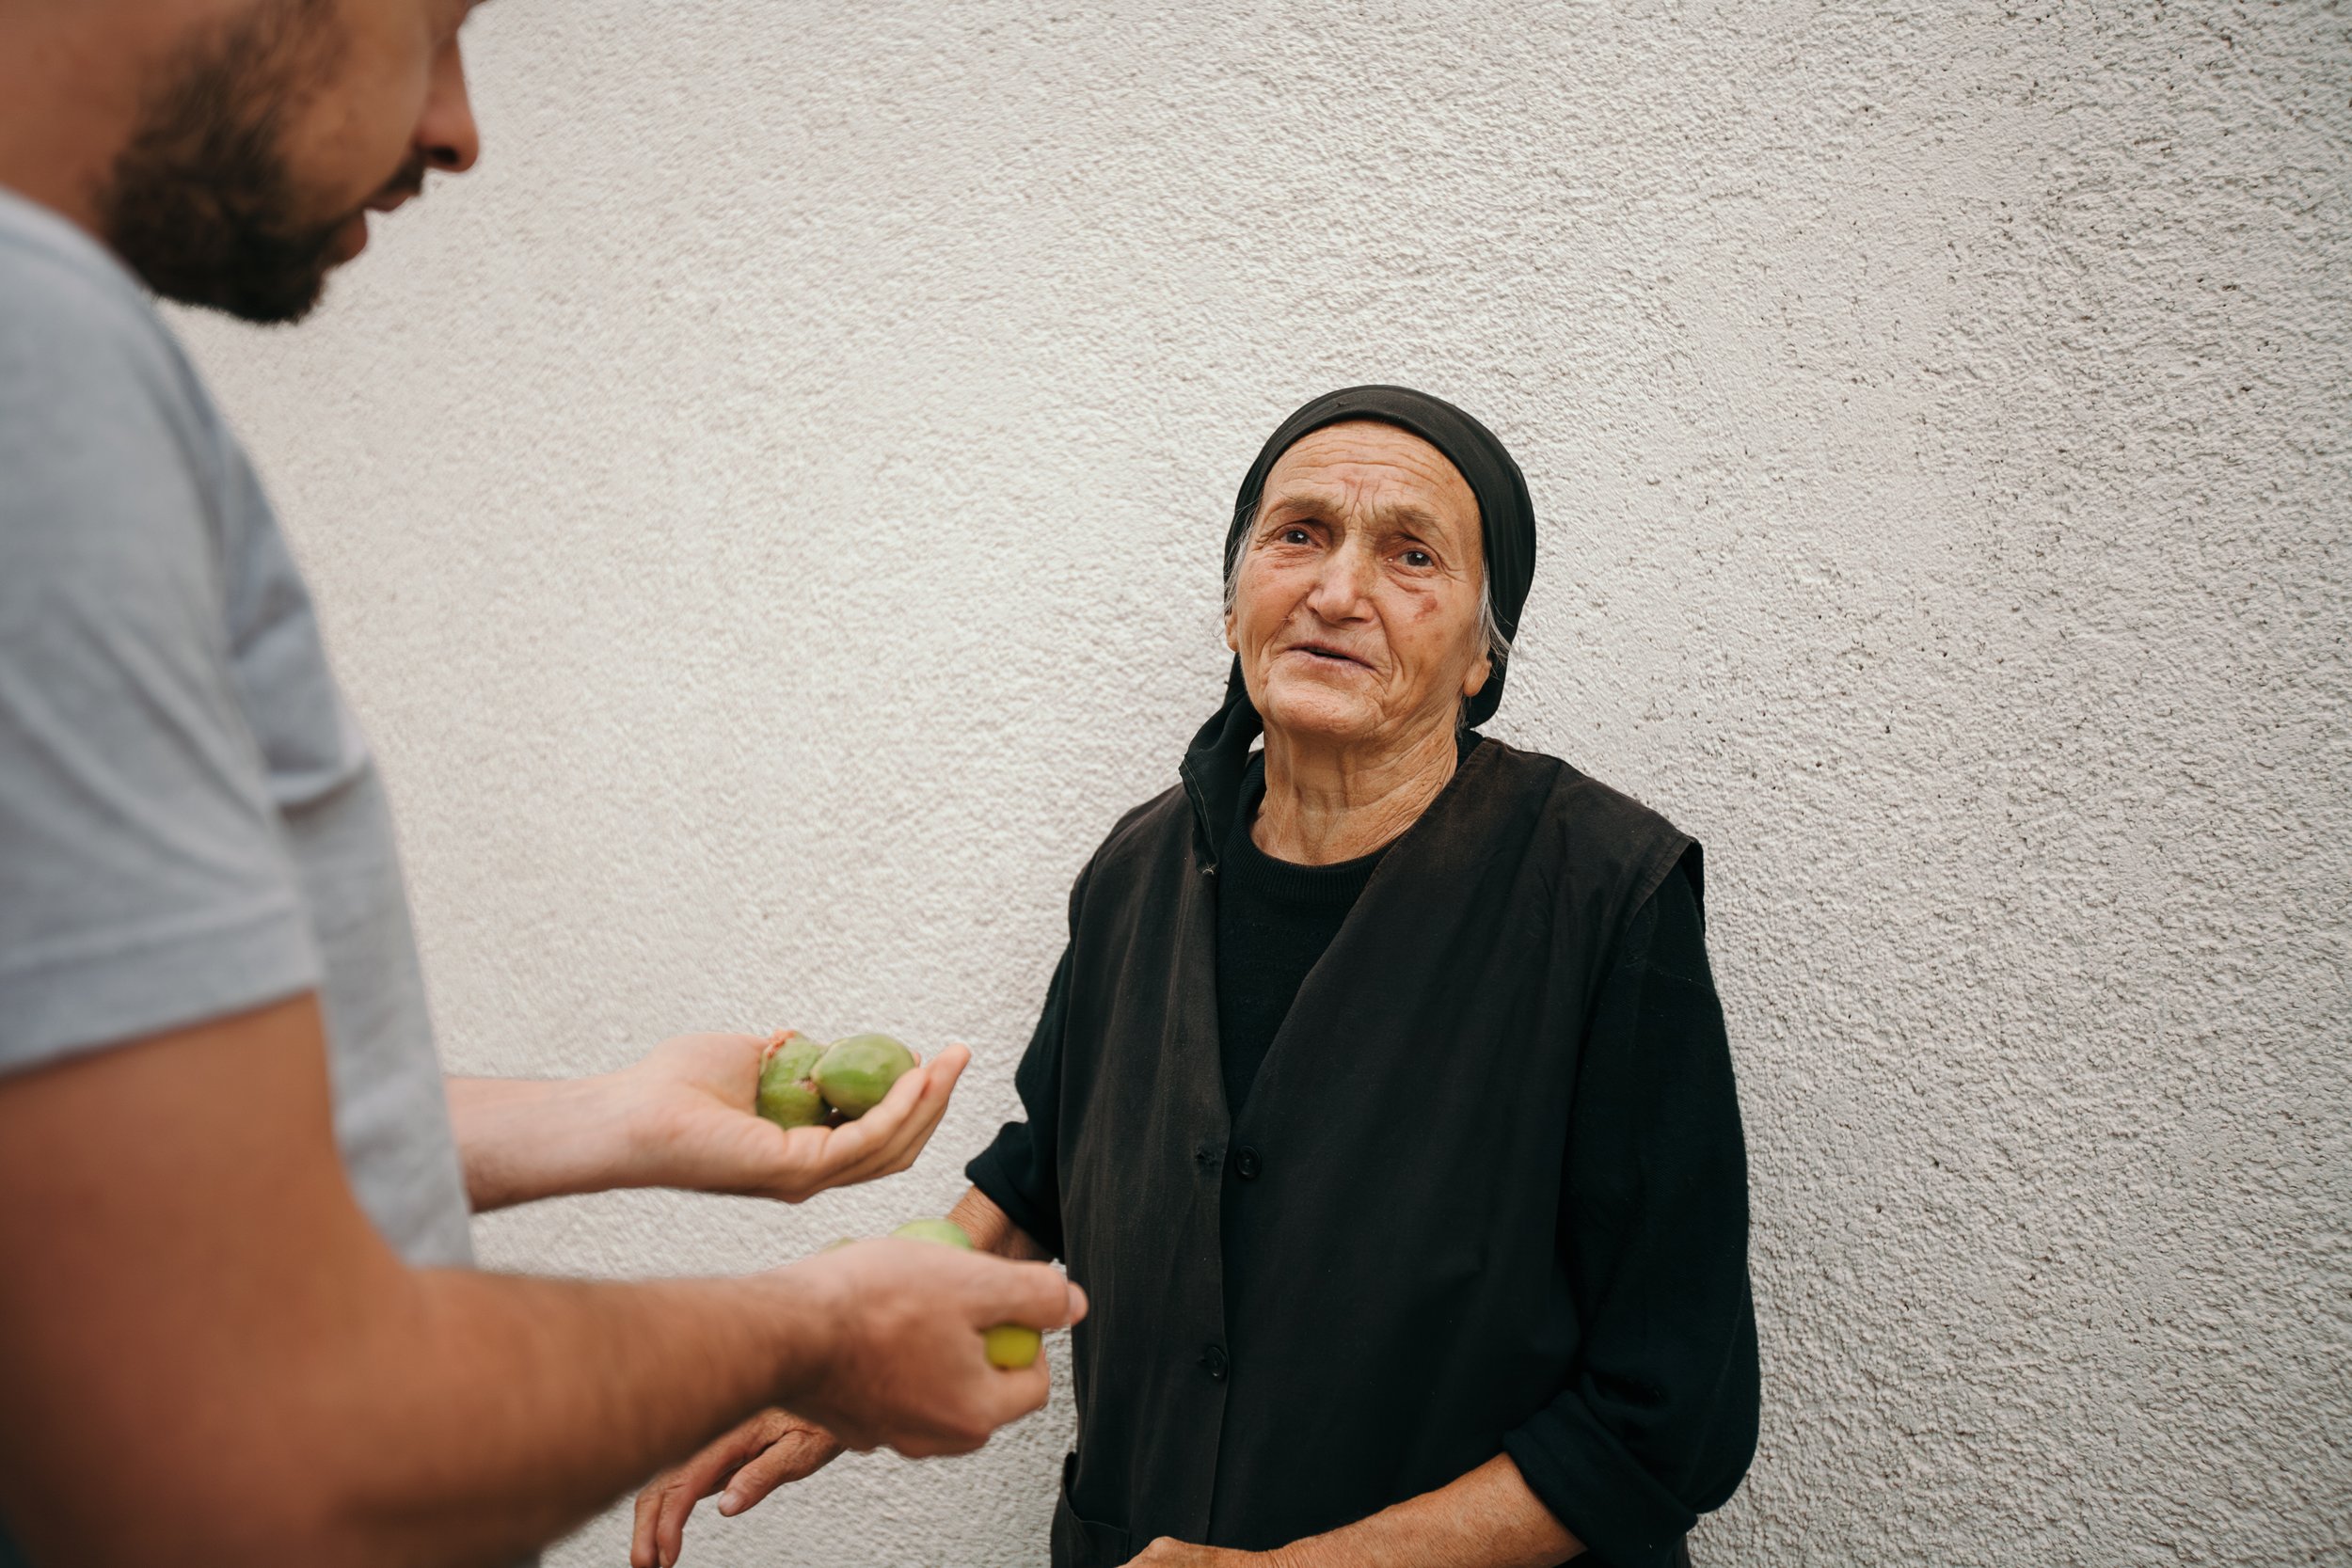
x,y
945,1232
855,1074
788,1094
1010,1346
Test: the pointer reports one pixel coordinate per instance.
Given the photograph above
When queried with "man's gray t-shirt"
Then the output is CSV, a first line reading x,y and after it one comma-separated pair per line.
x,y
190,823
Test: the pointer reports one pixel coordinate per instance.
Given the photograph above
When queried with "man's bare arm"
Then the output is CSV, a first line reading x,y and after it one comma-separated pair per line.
x,y
522,1139
193,1307
775,1447
682,1117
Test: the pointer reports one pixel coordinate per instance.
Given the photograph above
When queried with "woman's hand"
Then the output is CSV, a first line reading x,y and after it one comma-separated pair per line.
x,y
1488,1517
1168,1552
689,1110
771,1449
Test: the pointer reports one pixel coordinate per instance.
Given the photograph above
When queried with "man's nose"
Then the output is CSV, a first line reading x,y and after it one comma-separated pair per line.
x,y
446,134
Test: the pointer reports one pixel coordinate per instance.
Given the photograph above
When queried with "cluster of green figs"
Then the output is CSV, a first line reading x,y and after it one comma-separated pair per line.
x,y
807,1083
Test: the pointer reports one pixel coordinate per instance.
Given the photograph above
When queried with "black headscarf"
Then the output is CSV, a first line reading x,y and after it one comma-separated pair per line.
x,y
1507,526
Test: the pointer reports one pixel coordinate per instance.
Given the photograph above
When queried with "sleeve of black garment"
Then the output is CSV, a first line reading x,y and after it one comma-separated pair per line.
x,y
1018,1171
1658,1420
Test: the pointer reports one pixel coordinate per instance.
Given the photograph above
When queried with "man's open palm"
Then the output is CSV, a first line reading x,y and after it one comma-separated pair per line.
x,y
692,1101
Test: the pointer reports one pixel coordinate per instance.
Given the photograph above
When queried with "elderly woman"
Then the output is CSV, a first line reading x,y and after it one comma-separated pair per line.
x,y
1381,1100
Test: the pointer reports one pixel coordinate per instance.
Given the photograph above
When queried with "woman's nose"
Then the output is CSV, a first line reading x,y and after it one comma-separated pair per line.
x,y
1344,584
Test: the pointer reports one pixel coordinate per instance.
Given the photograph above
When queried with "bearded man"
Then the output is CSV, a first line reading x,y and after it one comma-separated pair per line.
x,y
233,1187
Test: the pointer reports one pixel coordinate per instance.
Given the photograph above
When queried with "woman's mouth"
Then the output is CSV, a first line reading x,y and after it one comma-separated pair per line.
x,y
1323,654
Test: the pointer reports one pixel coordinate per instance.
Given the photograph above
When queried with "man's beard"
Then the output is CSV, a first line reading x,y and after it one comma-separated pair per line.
x,y
201,203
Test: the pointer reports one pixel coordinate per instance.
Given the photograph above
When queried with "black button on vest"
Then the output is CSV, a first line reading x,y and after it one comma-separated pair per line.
x,y
1245,1165
1213,1362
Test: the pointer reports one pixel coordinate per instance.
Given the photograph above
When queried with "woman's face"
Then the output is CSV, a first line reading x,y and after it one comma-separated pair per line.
x,y
1355,604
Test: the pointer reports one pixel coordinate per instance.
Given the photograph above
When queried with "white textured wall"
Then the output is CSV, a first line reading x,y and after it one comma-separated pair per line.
x,y
768,518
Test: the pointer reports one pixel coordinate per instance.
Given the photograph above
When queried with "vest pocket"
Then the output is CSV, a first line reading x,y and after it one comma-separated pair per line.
x,y
1084,1543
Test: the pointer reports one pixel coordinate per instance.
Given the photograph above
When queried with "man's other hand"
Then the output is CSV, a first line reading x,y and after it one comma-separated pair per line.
x,y
690,1110
685,1116
904,1365
773,1449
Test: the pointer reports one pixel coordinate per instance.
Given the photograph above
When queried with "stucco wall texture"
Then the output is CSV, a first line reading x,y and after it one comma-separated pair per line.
x,y
767,518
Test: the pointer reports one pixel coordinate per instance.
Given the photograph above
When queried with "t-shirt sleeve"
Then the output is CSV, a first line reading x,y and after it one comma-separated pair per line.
x,y
144,882
1020,1171
1658,1420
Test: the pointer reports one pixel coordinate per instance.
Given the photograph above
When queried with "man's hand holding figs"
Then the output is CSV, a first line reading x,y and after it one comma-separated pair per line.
x,y
699,1114
899,1339
915,1342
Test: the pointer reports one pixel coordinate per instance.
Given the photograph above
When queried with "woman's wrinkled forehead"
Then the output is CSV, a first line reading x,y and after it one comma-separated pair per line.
x,y
1377,469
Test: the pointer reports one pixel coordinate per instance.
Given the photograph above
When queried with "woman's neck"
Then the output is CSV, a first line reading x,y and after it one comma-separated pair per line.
x,y
1324,804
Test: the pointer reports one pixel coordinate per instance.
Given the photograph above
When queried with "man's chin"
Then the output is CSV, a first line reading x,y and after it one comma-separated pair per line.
x,y
278,299
350,240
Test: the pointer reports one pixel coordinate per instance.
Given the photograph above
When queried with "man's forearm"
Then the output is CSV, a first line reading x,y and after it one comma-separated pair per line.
x,y
479,1415
196,1310
209,1354
685,1116
1486,1519
522,1139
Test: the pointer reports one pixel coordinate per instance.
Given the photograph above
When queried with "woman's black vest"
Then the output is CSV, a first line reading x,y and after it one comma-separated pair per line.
x,y
1350,1293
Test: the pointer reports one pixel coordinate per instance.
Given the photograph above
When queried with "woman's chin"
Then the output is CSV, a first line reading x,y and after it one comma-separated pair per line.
x,y
1317,713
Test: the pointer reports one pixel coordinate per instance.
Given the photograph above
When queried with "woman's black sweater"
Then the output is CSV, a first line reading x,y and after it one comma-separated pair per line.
x,y
1377,1172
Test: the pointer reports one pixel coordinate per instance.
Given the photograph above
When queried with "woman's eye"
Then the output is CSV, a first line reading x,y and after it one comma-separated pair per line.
x,y
1419,558
1295,536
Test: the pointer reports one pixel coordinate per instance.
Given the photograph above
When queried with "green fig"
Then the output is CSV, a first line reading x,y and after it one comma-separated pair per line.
x,y
1010,1346
945,1232
787,1095
855,1073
